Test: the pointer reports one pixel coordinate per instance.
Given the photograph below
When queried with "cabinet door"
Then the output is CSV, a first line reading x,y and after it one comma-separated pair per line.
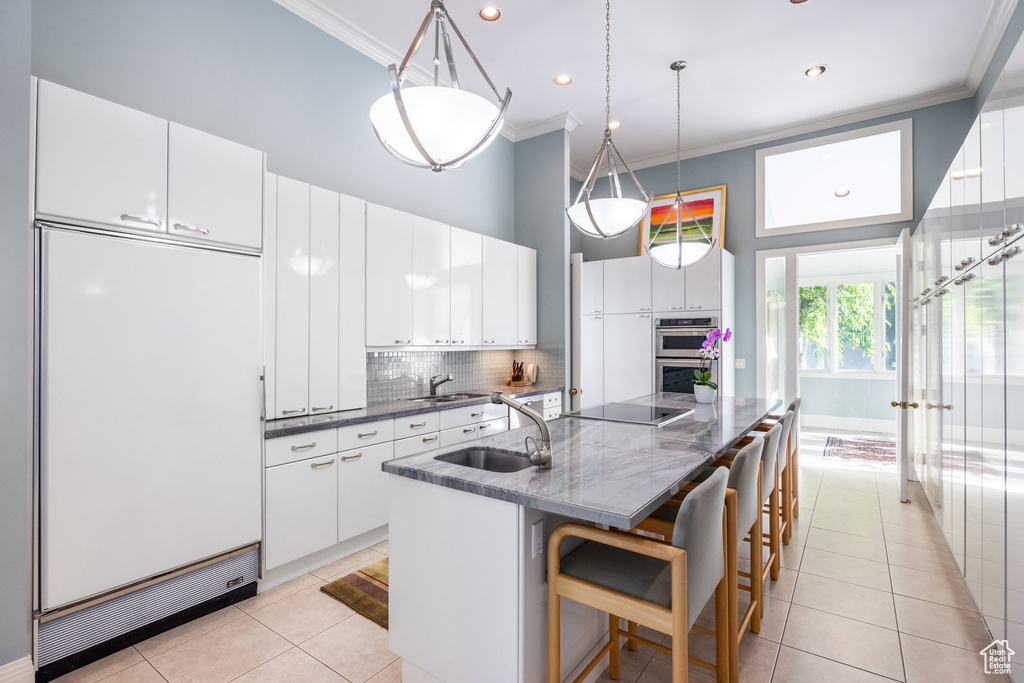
x,y
500,293
99,162
352,304
668,288
431,283
324,304
992,179
467,288
292,347
527,295
628,356
362,490
591,361
302,509
214,189
389,277
592,288
1014,448
627,285
704,283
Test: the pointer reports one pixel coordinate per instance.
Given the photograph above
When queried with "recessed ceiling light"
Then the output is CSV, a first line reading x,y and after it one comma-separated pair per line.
x,y
843,192
490,13
564,79
614,125
815,70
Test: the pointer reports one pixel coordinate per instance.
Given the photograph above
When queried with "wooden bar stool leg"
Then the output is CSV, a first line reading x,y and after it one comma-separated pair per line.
x,y
680,634
613,654
554,626
631,630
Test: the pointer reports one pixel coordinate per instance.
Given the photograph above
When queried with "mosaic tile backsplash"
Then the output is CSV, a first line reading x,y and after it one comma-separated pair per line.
x,y
392,375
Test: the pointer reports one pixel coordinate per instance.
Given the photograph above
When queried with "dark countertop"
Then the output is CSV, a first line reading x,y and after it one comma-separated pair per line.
x,y
602,472
398,408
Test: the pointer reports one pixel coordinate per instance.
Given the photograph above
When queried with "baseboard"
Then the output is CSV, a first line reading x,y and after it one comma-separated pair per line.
x,y
18,671
852,424
321,558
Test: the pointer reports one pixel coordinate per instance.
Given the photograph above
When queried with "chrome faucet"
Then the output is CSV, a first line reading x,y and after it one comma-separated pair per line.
x,y
434,384
541,457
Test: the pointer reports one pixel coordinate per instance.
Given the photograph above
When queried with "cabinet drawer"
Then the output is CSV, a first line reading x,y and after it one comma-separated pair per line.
x,y
356,436
457,435
417,444
362,490
552,400
287,449
416,424
492,427
302,509
460,417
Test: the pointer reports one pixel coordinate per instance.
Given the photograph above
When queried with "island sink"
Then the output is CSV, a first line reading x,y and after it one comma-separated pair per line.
x,y
489,459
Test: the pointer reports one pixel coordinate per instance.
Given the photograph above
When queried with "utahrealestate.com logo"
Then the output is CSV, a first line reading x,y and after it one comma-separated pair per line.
x,y
997,657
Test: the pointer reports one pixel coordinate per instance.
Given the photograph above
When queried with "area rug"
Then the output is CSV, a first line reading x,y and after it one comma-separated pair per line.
x,y
860,449
365,591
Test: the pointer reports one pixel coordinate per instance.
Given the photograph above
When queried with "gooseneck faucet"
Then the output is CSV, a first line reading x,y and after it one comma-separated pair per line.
x,y
434,384
540,457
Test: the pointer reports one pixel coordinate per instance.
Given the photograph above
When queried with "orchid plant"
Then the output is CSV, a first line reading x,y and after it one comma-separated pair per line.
x,y
709,353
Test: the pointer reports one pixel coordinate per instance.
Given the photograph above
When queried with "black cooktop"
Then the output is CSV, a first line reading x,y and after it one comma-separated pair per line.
x,y
635,413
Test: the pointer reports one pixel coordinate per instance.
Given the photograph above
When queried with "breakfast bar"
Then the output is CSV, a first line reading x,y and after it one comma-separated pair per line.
x,y
467,545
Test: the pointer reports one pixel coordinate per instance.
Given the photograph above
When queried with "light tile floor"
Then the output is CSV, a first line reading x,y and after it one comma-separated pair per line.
x,y
868,592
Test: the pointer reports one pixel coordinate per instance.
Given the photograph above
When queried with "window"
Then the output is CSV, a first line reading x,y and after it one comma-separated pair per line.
x,y
848,326
861,177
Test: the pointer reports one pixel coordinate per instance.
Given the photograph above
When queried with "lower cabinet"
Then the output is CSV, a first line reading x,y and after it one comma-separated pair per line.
x,y
362,489
302,509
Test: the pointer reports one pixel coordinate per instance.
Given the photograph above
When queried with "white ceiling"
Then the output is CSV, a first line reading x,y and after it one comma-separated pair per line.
x,y
744,83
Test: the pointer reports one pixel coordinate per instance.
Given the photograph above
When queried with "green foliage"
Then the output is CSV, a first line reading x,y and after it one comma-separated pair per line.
x,y
855,304
704,377
856,310
814,318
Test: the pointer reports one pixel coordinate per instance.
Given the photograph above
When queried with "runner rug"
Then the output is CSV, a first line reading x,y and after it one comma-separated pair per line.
x,y
365,591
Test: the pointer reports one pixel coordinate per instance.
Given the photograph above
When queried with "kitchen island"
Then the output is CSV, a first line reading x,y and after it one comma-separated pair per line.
x,y
467,546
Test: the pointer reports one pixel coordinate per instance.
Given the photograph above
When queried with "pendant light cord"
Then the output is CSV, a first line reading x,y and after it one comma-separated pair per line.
x,y
607,66
679,181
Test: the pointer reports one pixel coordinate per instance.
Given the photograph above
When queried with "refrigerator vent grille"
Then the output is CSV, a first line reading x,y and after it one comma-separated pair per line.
x,y
80,630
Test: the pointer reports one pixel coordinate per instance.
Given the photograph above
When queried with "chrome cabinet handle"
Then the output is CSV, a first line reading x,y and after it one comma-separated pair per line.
x,y
995,260
1010,253
363,436
475,414
351,457
958,267
308,445
694,308
488,341
417,425
467,431
643,316
331,407
460,341
643,309
676,308
140,219
322,464
995,241
484,426
524,341
595,311
182,226
292,412
941,280
428,439
403,341
1011,230
440,341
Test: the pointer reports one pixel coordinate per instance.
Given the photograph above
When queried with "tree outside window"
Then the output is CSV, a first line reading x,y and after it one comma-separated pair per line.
x,y
848,326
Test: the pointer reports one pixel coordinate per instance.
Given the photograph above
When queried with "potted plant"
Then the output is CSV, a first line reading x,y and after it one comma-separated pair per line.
x,y
704,389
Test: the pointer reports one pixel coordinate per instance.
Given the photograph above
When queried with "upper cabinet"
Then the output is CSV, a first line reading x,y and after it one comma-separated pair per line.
x,y
500,293
214,189
592,288
668,288
526,281
99,162
291,366
431,283
627,285
467,259
704,283
389,280
324,300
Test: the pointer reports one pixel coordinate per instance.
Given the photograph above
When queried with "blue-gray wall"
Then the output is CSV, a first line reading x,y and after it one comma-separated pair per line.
x,y
253,72
15,329
848,397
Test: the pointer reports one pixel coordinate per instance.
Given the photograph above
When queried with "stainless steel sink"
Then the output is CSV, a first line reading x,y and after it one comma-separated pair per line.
x,y
489,459
448,398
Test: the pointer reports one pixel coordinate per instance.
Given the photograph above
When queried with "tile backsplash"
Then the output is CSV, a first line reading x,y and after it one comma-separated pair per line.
x,y
392,375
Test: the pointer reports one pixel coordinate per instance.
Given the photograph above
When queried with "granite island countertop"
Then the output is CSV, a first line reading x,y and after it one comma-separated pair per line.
x,y
603,472
397,408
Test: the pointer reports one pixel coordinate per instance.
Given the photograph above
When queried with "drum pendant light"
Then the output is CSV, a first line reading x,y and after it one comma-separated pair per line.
x,y
437,127
610,216
672,244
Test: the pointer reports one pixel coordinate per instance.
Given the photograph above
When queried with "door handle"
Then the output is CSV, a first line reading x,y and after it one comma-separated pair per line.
x,y
913,405
322,464
469,431
308,445
323,408
292,412
351,457
140,219
573,392
363,436
417,425
182,226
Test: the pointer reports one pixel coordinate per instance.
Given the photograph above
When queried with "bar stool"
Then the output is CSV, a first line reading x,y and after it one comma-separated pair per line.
x,y
785,505
792,450
660,585
743,511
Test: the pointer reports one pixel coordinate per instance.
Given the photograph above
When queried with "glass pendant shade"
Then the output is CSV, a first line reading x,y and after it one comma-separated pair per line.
x,y
607,217
675,244
436,126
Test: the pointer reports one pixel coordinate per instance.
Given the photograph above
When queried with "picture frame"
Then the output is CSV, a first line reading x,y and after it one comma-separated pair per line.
x,y
706,203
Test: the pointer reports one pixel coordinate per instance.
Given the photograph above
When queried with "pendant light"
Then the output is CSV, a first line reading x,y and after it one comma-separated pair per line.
x,y
672,245
437,127
610,216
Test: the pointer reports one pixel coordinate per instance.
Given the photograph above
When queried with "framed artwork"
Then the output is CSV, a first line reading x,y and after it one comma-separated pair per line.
x,y
707,206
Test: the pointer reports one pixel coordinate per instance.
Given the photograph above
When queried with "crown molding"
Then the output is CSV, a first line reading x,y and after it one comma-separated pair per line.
x,y
991,34
567,121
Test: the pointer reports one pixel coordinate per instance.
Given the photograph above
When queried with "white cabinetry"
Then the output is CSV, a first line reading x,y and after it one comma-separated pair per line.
x,y
389,277
704,283
466,288
627,285
591,381
292,330
431,283
592,288
214,189
352,303
527,295
628,356
99,162
668,289
362,490
302,509
500,293
324,300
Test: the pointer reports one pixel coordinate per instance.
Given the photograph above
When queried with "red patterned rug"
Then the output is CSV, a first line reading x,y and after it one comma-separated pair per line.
x,y
861,449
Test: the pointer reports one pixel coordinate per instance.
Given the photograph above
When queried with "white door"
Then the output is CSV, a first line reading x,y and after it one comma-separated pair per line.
x,y
500,293
362,490
352,304
99,162
704,283
627,285
389,277
431,283
214,189
591,383
668,288
904,263
527,295
302,508
628,356
292,347
467,286
324,300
